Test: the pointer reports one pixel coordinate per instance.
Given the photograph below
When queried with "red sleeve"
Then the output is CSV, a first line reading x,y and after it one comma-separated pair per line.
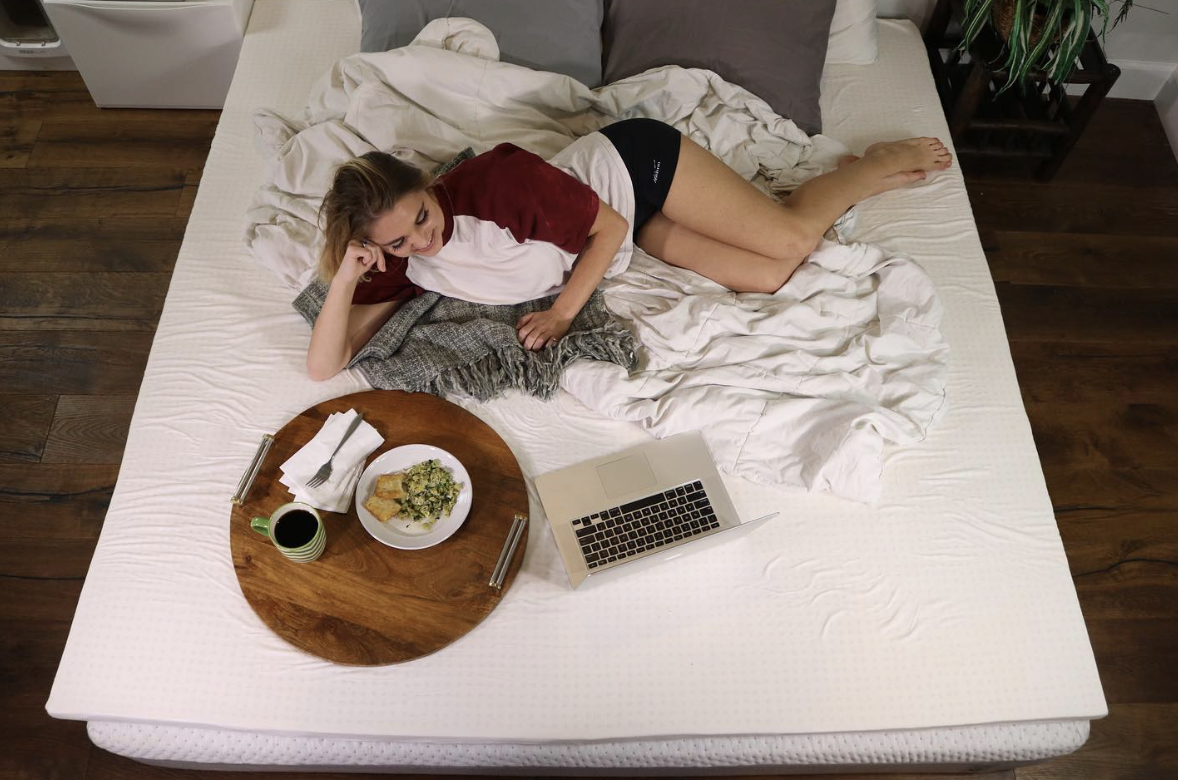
x,y
391,285
523,193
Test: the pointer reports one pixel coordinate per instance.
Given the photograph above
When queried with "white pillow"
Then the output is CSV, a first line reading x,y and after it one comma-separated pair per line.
x,y
853,34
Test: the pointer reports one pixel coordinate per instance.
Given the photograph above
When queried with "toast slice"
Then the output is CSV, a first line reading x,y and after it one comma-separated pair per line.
x,y
384,509
390,485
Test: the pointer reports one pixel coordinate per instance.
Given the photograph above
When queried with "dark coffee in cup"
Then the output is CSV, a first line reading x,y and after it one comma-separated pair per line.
x,y
295,528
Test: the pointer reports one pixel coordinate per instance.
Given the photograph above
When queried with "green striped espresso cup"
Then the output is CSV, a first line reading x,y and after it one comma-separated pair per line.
x,y
295,529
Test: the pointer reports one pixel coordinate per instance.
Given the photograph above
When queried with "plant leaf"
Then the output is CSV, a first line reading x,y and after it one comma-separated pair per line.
x,y
1050,25
976,16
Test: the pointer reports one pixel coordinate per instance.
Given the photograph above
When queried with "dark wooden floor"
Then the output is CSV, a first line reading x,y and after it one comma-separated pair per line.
x,y
92,210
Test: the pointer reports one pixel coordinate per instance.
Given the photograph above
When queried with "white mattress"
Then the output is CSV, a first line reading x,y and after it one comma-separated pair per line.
x,y
937,627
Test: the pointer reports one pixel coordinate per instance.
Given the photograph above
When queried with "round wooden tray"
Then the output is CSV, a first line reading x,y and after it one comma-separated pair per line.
x,y
363,603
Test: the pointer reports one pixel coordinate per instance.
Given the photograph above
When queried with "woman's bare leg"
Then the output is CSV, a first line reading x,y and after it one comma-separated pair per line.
x,y
709,198
737,269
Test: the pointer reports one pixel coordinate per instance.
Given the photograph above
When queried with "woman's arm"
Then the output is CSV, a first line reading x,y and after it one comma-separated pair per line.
x,y
539,329
342,328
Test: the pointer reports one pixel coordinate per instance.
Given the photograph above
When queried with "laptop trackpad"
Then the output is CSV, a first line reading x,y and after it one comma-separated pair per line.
x,y
626,475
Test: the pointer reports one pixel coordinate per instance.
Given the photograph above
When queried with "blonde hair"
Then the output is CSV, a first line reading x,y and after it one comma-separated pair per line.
x,y
363,189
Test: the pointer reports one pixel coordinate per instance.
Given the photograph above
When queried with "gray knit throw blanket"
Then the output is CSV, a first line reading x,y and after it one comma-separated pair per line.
x,y
440,345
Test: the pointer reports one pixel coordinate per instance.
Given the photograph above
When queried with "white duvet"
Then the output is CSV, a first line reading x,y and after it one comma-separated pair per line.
x,y
799,388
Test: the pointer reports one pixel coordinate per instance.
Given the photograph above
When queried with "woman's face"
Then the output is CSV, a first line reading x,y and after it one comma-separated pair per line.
x,y
412,227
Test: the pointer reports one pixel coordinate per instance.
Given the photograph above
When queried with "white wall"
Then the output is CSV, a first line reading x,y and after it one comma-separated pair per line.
x,y
1145,47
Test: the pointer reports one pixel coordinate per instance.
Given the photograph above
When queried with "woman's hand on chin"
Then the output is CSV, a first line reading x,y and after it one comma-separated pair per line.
x,y
542,329
360,258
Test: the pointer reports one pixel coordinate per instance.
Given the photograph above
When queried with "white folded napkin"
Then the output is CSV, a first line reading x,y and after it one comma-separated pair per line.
x,y
335,494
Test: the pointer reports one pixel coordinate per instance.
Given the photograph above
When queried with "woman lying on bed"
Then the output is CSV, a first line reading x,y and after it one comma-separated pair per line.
x,y
507,227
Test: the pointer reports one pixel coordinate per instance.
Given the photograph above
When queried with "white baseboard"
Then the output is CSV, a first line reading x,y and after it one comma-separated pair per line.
x,y
1139,80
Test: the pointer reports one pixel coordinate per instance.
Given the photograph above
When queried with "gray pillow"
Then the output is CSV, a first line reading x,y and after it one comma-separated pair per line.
x,y
562,36
773,48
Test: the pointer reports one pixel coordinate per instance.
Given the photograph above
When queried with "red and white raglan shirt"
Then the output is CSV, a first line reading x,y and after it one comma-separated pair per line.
x,y
515,223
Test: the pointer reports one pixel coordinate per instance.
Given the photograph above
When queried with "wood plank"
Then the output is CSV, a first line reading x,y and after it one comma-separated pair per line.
x,y
1099,435
36,745
1125,142
1137,165
26,424
97,301
32,95
27,666
50,517
1087,314
83,193
16,142
1135,742
1077,489
108,254
1136,658
1132,589
1082,259
118,142
1099,539
46,559
54,501
27,598
89,429
1095,372
188,198
73,362
111,245
1075,208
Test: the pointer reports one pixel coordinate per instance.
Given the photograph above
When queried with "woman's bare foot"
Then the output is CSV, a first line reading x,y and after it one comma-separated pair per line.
x,y
911,154
903,162
885,183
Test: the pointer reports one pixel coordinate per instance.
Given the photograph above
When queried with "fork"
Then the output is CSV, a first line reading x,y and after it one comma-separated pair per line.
x,y
324,472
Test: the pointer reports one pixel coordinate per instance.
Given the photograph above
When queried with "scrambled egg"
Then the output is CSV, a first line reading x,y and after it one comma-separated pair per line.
x,y
430,492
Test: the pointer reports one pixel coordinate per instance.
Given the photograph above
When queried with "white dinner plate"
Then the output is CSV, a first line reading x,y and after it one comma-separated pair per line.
x,y
394,533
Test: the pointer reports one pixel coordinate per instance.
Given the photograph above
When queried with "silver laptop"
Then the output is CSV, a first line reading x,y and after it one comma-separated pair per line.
x,y
624,511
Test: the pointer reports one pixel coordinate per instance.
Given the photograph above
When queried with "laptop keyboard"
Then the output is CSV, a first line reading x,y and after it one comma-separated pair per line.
x,y
646,524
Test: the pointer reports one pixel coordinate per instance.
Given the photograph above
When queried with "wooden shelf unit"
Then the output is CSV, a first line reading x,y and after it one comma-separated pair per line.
x,y
1040,122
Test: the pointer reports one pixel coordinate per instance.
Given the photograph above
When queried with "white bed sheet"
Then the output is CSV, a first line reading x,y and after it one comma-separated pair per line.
x,y
948,604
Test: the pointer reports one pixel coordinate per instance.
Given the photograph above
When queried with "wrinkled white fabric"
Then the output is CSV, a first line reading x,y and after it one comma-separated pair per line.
x,y
801,388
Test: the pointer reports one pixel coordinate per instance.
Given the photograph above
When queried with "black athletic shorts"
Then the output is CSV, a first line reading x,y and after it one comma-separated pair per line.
x,y
650,149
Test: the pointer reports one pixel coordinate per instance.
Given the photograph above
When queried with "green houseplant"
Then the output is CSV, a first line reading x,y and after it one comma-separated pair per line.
x,y
1039,35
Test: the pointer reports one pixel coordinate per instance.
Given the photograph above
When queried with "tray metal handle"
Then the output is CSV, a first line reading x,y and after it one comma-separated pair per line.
x,y
251,473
